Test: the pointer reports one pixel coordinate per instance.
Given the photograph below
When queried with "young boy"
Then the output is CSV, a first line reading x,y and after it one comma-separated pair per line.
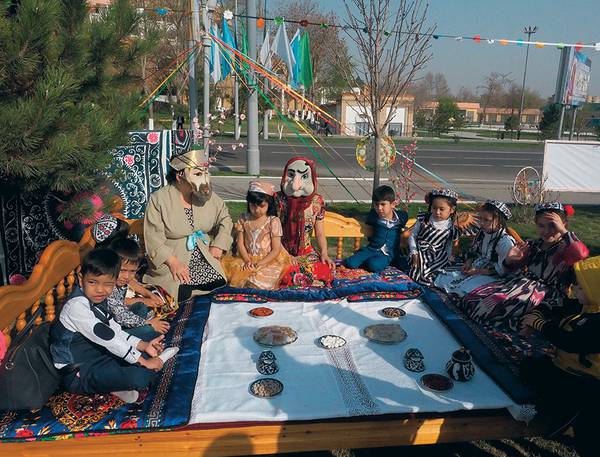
x,y
132,313
569,382
92,352
387,224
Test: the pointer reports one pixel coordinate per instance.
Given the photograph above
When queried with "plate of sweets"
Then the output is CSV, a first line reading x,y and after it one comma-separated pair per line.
x,y
261,311
266,387
436,382
331,341
275,335
385,333
392,312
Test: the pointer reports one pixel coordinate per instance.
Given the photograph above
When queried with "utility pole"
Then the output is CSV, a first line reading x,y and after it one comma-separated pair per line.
x,y
236,85
266,113
207,12
573,119
529,30
253,157
194,35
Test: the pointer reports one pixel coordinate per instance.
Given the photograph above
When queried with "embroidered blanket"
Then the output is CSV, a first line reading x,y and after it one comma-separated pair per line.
x,y
167,405
356,285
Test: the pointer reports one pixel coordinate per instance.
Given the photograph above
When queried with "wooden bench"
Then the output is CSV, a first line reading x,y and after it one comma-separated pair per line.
x,y
54,277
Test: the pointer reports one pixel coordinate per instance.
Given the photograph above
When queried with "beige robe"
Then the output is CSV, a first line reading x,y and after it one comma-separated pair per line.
x,y
166,229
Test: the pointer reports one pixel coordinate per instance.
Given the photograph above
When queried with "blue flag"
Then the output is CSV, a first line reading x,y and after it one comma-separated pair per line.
x,y
296,68
228,57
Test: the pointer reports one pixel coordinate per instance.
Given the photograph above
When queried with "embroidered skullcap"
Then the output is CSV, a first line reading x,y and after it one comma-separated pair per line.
x,y
192,158
262,187
550,206
500,206
449,193
104,227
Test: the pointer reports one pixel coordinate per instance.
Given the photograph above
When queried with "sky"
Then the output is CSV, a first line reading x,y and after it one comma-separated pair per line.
x,y
466,63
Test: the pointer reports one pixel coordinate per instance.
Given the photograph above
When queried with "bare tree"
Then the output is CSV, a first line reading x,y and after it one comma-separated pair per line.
x,y
493,87
392,47
441,86
466,94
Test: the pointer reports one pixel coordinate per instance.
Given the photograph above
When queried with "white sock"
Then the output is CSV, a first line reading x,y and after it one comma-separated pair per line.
x,y
128,396
168,353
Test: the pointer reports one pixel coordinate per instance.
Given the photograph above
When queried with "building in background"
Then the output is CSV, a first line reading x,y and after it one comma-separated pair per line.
x,y
353,122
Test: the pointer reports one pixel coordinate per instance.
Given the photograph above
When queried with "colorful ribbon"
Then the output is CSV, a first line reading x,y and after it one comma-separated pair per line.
x,y
193,238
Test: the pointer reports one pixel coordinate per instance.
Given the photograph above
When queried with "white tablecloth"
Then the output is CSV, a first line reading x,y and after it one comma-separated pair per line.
x,y
361,378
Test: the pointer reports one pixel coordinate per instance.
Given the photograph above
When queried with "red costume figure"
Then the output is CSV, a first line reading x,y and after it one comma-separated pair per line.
x,y
302,210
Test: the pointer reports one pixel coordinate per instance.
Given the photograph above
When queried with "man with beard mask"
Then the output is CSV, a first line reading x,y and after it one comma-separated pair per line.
x,y
187,229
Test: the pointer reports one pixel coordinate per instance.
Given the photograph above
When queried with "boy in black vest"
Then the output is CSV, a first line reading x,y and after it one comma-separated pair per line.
x,y
387,224
92,352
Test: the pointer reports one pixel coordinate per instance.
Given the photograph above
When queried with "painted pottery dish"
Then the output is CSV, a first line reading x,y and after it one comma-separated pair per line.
x,y
266,388
385,333
267,368
332,341
260,312
436,382
267,357
392,312
414,360
275,335
412,353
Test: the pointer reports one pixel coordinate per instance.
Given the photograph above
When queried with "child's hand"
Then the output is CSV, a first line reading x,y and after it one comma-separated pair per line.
x,y
415,260
159,325
326,259
555,220
155,347
248,266
467,266
517,253
293,261
154,364
154,301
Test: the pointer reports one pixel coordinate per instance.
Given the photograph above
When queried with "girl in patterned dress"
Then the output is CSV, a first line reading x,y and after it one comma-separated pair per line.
x,y
485,258
432,236
547,265
261,259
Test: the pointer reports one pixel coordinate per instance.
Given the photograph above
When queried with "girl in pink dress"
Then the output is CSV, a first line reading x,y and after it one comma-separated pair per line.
x,y
260,260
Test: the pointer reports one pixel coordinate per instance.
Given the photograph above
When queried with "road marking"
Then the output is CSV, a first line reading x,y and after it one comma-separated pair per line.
x,y
497,158
462,165
482,180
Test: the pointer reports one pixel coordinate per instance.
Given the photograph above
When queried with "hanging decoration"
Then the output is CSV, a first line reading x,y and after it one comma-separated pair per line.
x,y
260,23
227,15
365,153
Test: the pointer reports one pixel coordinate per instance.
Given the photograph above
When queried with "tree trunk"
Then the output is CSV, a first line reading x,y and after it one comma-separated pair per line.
x,y
377,164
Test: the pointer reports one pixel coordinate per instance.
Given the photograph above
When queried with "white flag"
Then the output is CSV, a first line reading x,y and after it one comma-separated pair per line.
x,y
282,48
215,57
265,52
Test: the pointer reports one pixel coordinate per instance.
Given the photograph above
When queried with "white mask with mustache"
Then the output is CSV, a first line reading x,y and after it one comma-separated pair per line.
x,y
199,180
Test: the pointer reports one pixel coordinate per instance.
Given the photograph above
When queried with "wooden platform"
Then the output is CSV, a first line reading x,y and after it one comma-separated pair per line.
x,y
53,279
282,438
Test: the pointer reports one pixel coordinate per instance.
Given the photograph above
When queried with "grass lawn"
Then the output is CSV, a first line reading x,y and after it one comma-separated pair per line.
x,y
585,223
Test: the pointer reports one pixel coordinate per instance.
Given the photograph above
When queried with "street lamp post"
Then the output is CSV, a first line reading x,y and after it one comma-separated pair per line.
x,y
529,30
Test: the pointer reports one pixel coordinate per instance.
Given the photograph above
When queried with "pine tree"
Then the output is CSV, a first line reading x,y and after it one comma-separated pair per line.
x,y
69,92
550,120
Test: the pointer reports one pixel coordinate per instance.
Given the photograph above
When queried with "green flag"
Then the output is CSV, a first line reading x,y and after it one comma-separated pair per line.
x,y
306,71
243,45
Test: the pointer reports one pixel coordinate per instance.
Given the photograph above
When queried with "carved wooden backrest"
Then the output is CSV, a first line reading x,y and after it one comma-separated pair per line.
x,y
51,281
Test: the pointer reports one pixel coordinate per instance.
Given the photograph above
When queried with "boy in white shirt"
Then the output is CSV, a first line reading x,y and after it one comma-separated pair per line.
x,y
92,352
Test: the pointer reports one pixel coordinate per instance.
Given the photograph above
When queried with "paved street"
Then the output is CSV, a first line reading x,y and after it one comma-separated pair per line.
x,y
476,174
